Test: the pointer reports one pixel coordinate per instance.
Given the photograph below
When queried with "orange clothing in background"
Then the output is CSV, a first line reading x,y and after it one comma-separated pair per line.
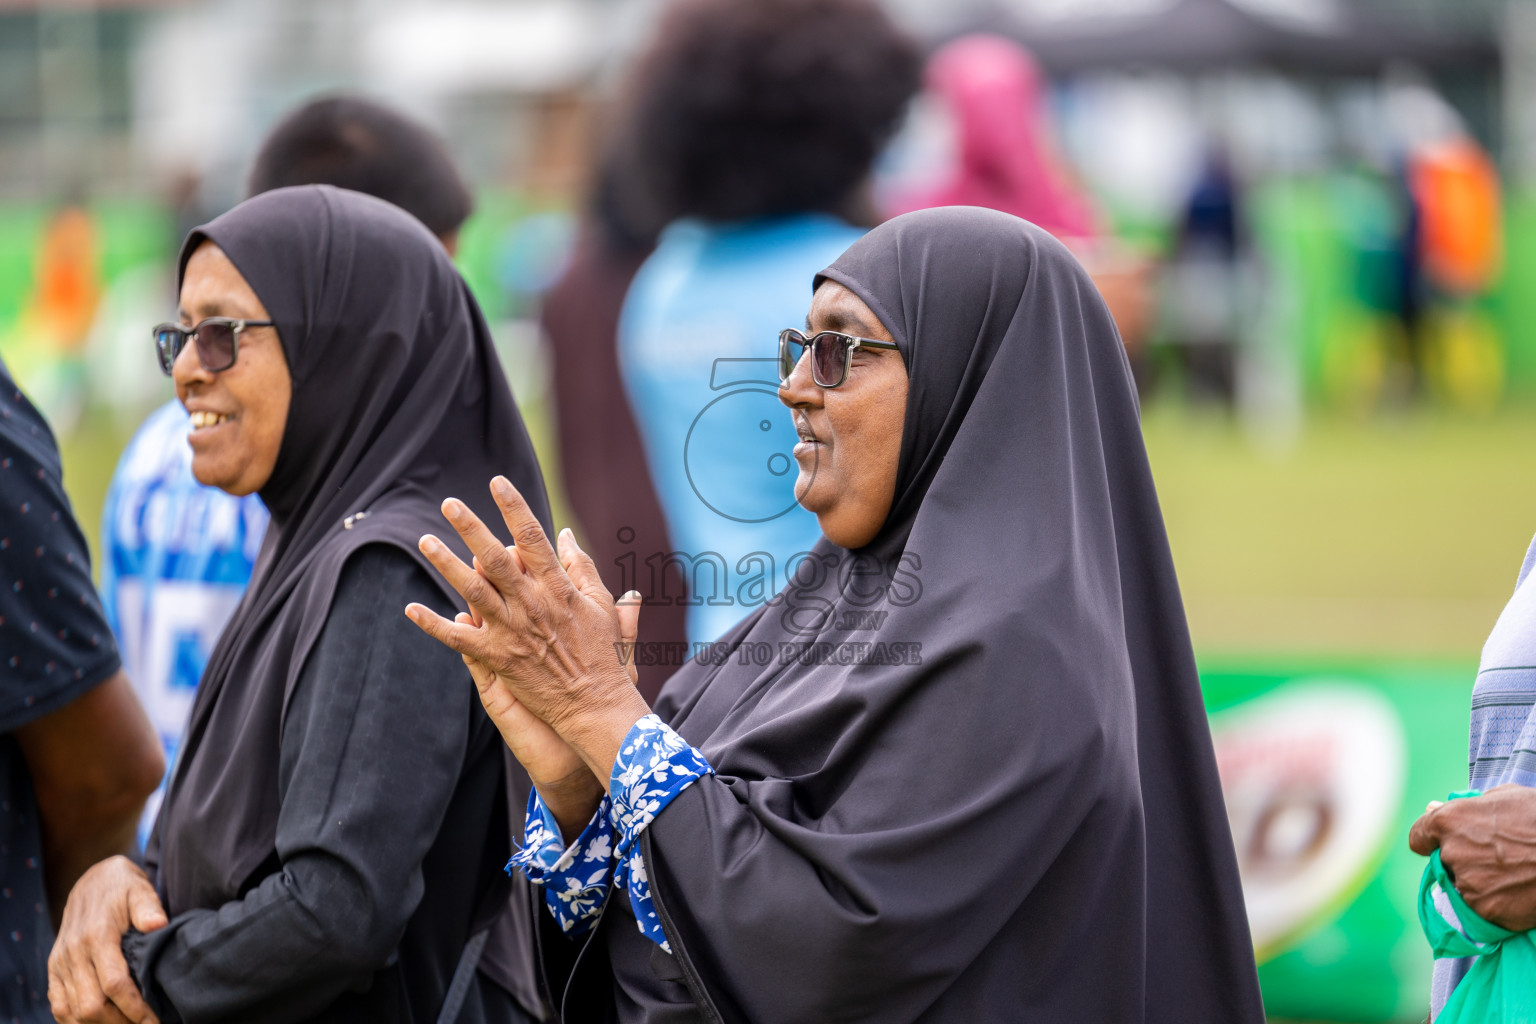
x,y
1456,188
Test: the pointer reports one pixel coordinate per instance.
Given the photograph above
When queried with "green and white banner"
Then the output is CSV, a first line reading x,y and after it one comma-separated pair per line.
x,y
1324,768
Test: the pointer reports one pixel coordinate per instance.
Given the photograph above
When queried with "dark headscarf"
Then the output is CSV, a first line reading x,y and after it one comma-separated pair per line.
x,y
1017,817
398,400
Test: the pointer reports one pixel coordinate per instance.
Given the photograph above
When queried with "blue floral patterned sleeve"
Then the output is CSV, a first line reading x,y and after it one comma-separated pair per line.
x,y
654,765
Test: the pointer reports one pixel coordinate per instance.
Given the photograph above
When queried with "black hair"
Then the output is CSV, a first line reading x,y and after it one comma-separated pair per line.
x,y
746,108
355,143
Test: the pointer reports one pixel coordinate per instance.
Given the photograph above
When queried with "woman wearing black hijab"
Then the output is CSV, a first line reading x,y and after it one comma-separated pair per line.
x,y
331,842
959,770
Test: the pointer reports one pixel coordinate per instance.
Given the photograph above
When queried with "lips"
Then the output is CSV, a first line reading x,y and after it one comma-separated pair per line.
x,y
203,418
803,428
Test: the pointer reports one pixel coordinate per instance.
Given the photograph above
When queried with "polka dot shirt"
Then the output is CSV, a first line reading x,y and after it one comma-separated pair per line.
x,y
54,646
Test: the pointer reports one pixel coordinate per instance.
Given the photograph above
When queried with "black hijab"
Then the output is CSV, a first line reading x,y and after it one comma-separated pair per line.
x,y
1010,810
398,400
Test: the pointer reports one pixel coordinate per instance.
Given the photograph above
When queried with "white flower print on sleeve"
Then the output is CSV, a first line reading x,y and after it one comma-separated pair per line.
x,y
654,765
575,878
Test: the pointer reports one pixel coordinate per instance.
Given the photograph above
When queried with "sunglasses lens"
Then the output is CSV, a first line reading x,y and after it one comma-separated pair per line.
x,y
829,358
791,348
168,345
216,346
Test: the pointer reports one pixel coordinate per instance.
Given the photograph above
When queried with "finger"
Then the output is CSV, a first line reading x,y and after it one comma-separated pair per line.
x,y
60,999
75,976
628,611
484,678
492,558
89,997
527,532
629,616
1424,836
1433,805
581,569
117,985
144,908
512,554
484,596
463,638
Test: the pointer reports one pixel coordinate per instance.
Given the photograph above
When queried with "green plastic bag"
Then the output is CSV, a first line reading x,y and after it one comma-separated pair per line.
x,y
1501,986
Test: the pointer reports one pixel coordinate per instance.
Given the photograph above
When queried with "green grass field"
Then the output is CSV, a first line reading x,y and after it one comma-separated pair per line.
x,y
1390,536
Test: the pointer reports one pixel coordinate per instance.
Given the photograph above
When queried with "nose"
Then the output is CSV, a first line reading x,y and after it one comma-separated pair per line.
x,y
187,370
800,390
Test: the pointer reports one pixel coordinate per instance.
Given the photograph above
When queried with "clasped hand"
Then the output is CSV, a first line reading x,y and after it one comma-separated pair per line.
x,y
88,979
1488,844
543,640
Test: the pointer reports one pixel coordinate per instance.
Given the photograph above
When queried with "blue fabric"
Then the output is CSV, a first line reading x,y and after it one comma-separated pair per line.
x,y
54,646
176,558
698,343
654,765
1502,747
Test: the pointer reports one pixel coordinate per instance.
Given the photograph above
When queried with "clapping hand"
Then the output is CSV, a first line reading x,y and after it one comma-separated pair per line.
x,y
546,643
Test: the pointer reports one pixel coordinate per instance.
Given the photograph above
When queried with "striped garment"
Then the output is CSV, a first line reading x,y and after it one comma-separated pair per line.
x,y
1503,741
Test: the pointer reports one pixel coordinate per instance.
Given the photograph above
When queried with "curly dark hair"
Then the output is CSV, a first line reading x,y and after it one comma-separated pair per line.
x,y
355,143
746,108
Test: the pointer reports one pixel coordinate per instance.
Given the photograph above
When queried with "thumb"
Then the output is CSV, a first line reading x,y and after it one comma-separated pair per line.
x,y
144,909
629,616
628,613
581,569
1424,836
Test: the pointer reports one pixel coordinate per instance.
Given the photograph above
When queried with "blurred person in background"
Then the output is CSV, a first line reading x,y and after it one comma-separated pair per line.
x,y
177,555
605,476
755,127
1007,160
332,839
1457,194
1205,284
57,317
1007,157
77,754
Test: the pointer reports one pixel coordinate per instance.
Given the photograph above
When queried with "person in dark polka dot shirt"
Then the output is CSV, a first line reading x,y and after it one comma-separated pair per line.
x,y
77,753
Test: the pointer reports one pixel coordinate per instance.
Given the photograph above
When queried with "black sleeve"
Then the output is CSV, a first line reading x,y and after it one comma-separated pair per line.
x,y
372,747
54,640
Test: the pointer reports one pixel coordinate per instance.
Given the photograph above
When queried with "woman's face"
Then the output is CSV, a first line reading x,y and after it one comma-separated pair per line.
x,y
851,434
238,414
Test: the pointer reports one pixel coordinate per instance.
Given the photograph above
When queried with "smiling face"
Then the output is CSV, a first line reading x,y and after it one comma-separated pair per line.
x,y
239,414
850,435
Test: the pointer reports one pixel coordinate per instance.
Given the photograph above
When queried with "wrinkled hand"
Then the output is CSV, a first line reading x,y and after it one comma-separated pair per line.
x,y
565,784
88,979
1488,844
544,629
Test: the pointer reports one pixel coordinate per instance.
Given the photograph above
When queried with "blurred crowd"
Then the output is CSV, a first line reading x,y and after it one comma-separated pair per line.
x,y
638,314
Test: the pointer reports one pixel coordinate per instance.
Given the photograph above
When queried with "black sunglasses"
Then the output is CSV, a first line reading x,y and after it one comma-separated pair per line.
x,y
218,341
831,354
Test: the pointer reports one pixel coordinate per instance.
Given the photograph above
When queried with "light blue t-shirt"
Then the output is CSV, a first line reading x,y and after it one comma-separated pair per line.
x,y
698,343
176,557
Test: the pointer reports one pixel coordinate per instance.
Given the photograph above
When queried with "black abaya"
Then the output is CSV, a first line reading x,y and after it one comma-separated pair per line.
x,y
398,399
990,793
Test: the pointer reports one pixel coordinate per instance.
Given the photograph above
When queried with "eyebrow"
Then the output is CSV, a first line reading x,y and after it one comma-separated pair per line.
x,y
213,305
844,322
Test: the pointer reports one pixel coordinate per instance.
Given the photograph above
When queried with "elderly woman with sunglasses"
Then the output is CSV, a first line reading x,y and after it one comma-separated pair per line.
x,y
957,770
329,842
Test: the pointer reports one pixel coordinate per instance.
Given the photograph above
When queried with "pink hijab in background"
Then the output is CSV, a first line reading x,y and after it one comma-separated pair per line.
x,y
1005,160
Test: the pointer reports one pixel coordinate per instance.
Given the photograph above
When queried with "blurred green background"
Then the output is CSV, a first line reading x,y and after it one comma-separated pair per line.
x,y
1347,512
